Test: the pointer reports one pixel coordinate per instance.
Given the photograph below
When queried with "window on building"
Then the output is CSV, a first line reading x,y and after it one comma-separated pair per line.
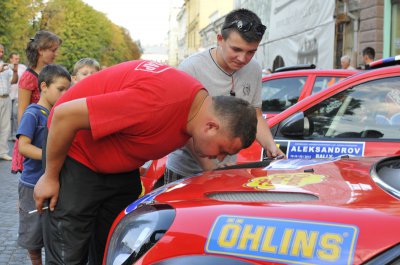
x,y
395,28
214,17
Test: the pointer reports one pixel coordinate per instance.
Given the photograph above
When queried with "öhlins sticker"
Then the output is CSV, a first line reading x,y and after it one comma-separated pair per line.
x,y
283,240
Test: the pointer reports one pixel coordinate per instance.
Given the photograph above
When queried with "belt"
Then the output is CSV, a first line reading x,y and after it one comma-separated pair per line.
x,y
3,96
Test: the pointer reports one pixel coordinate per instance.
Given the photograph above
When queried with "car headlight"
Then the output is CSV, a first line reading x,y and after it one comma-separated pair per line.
x,y
137,232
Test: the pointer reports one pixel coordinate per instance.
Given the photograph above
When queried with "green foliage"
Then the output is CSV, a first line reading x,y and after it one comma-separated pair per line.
x,y
18,23
84,31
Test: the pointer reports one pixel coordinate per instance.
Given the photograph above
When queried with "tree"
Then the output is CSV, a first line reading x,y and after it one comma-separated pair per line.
x,y
18,23
86,33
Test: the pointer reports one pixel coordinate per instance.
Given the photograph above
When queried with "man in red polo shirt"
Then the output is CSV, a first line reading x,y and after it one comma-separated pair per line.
x,y
105,127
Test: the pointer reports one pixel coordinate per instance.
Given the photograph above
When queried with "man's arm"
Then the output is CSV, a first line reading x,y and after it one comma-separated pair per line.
x,y
14,79
264,136
68,119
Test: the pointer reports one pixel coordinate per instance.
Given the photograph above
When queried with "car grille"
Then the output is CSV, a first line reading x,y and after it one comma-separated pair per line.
x,y
262,197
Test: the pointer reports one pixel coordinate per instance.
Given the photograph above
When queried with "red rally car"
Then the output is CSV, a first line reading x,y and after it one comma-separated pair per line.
x,y
319,211
359,116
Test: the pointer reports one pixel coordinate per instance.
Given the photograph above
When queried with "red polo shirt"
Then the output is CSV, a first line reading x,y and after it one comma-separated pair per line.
x,y
138,111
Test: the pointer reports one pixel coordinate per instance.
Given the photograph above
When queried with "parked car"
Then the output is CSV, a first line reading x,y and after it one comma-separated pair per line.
x,y
288,85
359,116
290,211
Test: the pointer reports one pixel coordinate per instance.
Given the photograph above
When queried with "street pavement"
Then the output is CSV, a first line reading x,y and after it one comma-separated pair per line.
x,y
10,252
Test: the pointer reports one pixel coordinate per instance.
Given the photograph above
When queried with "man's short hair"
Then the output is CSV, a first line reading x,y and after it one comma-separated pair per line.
x,y
238,116
369,52
246,23
50,72
12,55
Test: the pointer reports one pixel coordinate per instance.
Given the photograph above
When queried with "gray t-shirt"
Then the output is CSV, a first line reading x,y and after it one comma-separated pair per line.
x,y
246,84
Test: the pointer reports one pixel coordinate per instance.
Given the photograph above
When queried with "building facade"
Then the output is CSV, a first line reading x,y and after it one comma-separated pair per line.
x,y
316,31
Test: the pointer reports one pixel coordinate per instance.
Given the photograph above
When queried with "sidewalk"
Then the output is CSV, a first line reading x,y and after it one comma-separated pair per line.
x,y
10,252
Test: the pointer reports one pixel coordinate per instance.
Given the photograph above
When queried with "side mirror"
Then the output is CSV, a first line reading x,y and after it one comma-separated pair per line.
x,y
297,126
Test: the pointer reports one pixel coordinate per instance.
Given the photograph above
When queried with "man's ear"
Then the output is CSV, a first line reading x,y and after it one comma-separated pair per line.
x,y
211,127
219,38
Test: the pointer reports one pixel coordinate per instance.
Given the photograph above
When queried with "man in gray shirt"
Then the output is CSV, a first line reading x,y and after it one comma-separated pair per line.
x,y
228,69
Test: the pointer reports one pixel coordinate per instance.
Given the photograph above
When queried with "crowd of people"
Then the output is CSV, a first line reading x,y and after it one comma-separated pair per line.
x,y
27,94
368,56
80,138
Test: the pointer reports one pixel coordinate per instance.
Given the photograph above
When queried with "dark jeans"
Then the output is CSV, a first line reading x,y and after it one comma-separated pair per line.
x,y
87,205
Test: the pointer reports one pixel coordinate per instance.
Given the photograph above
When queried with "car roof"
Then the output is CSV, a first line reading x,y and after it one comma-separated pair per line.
x,y
394,60
318,72
295,67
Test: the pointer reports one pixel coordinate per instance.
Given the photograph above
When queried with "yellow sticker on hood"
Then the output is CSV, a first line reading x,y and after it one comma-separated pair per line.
x,y
287,179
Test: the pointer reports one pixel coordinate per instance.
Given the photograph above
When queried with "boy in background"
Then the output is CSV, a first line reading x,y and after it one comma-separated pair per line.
x,y
368,55
54,80
84,68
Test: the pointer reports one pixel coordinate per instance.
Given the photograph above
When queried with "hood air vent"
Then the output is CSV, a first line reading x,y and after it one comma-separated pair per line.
x,y
262,197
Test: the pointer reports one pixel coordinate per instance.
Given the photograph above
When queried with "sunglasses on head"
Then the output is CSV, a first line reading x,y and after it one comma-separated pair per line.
x,y
243,27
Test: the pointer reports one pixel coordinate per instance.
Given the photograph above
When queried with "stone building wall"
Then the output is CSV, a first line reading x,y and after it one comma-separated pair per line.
x,y
371,27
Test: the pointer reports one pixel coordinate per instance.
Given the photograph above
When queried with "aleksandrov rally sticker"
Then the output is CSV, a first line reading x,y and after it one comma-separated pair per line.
x,y
314,149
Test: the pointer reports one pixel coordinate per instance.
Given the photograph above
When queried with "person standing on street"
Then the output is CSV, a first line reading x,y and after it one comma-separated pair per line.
x,y
54,80
7,78
14,58
40,51
368,55
345,62
84,68
228,69
109,124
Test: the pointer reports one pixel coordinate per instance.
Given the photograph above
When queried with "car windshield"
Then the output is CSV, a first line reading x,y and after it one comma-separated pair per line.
x,y
364,111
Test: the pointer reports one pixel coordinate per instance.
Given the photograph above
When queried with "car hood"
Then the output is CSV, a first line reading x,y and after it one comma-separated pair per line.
x,y
343,182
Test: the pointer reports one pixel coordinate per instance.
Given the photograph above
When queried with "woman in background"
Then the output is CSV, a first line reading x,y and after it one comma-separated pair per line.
x,y
40,51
